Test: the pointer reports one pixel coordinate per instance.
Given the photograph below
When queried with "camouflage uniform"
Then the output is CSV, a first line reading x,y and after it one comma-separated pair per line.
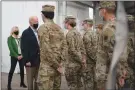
x,y
104,54
105,48
107,45
131,61
126,62
74,64
123,65
52,46
89,40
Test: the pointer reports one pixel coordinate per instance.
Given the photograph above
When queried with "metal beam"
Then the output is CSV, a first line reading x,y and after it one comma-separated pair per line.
x,y
131,7
73,4
80,3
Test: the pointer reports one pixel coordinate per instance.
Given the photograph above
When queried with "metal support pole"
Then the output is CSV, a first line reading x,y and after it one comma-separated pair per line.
x,y
64,11
94,14
57,12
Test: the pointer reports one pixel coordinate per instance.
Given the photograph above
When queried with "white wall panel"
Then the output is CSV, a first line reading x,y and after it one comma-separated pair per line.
x,y
79,13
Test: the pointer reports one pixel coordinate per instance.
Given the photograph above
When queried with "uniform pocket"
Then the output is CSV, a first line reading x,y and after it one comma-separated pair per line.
x,y
50,72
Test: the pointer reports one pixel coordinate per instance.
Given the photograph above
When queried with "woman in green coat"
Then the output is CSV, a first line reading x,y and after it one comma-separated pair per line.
x,y
16,56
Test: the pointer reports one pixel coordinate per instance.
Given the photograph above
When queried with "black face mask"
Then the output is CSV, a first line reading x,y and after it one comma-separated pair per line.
x,y
16,33
35,26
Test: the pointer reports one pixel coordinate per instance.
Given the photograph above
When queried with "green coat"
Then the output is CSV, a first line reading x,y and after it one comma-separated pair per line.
x,y
13,48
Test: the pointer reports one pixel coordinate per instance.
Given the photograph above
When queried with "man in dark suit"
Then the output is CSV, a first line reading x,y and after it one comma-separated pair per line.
x,y
30,52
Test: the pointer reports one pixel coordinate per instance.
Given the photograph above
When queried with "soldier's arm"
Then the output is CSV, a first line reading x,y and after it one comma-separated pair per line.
x,y
71,46
122,68
64,49
88,45
130,60
25,47
83,51
45,50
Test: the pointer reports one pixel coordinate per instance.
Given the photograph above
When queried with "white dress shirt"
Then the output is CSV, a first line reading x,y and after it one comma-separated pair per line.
x,y
18,45
35,32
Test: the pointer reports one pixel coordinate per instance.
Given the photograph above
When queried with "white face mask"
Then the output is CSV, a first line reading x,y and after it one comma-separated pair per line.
x,y
65,27
81,28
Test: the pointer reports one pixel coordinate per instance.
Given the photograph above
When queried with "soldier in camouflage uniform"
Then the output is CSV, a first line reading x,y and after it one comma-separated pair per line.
x,y
106,46
52,51
131,61
125,75
76,55
89,41
105,43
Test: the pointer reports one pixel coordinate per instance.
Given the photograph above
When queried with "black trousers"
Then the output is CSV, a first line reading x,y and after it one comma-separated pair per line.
x,y
12,69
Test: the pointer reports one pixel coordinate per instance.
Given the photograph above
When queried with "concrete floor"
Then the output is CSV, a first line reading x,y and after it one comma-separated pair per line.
x,y
16,82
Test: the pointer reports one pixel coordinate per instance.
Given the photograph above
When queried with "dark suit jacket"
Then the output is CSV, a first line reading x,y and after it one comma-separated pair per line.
x,y
30,47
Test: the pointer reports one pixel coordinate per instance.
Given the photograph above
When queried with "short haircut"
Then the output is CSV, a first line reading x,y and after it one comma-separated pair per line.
x,y
71,22
49,15
111,11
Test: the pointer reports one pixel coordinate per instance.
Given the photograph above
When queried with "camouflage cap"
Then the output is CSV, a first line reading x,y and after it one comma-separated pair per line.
x,y
48,8
69,17
130,18
107,4
89,21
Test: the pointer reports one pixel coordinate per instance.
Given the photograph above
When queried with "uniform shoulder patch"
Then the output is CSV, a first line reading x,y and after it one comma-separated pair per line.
x,y
108,33
109,29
